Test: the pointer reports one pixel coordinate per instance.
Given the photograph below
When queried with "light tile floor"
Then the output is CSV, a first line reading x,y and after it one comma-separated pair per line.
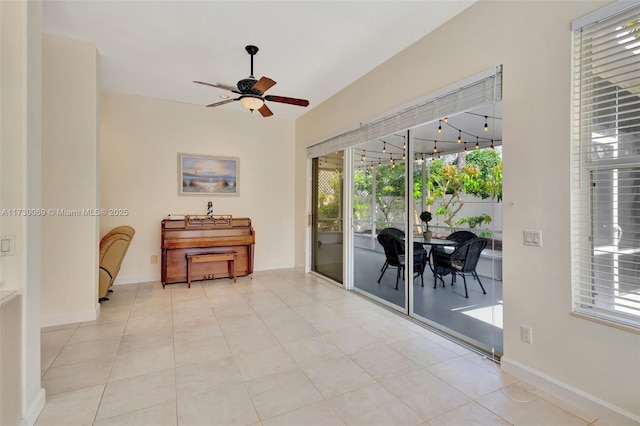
x,y
283,348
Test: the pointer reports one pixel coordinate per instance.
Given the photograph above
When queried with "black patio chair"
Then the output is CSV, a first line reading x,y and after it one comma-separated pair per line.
x,y
461,236
462,261
395,257
393,231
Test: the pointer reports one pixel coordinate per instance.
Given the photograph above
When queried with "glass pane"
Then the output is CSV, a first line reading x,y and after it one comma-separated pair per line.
x,y
379,207
616,236
461,191
328,189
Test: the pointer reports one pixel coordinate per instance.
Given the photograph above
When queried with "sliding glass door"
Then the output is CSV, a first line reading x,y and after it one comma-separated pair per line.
x,y
450,168
457,179
327,221
412,185
379,193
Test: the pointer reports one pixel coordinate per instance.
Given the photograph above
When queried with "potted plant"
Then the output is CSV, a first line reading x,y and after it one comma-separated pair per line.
x,y
426,217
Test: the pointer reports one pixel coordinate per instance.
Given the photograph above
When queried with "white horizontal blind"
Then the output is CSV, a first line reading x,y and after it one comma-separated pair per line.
x,y
485,90
606,167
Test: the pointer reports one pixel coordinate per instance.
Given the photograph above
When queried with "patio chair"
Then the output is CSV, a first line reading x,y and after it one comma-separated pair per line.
x,y
395,257
462,261
461,236
393,231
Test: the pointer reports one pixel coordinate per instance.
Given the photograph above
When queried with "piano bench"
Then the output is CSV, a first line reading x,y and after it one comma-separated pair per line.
x,y
230,256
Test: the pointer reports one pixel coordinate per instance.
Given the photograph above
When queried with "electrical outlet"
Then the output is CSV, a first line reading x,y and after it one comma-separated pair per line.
x,y
154,258
526,334
7,245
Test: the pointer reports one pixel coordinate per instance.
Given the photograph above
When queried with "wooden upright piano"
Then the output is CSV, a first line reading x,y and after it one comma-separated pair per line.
x,y
205,234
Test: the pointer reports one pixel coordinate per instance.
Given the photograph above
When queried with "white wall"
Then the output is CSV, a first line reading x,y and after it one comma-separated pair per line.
x,y
532,40
20,187
140,139
69,180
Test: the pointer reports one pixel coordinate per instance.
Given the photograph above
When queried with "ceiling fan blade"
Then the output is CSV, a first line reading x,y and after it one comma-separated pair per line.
x,y
265,111
220,86
285,100
226,101
264,84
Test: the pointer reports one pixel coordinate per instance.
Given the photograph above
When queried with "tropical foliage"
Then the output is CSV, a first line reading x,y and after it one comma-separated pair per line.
x,y
389,193
478,173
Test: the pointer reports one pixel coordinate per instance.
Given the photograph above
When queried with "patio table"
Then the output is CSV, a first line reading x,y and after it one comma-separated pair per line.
x,y
434,242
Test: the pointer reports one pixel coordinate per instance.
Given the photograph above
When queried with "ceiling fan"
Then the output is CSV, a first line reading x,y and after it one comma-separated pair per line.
x,y
252,91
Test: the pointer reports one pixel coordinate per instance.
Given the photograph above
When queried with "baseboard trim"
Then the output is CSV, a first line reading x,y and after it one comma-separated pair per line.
x,y
35,408
69,318
594,407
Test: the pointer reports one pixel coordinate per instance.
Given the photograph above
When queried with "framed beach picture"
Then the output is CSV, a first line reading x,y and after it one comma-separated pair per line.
x,y
207,175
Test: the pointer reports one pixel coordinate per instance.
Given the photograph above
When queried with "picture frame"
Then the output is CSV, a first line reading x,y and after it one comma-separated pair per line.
x,y
207,175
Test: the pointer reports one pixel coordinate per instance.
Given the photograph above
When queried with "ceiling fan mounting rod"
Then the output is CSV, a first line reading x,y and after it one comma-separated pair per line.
x,y
251,50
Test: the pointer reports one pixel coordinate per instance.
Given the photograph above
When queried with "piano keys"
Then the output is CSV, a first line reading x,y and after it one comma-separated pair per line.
x,y
205,234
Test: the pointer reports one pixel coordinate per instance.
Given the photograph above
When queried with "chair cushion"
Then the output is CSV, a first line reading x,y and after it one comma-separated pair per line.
x,y
457,264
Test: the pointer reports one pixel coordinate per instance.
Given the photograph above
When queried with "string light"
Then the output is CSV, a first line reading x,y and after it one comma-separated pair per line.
x,y
400,153
486,126
439,126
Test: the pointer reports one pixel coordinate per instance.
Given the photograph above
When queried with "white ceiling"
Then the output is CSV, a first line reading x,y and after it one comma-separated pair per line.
x,y
313,49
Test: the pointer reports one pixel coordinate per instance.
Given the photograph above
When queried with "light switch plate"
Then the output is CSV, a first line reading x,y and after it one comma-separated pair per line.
x,y
533,238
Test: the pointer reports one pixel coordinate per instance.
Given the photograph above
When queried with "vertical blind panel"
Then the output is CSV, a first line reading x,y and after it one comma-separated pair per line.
x,y
606,168
486,90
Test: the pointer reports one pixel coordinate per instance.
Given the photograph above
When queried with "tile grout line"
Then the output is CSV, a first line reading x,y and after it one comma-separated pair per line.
x,y
104,389
233,356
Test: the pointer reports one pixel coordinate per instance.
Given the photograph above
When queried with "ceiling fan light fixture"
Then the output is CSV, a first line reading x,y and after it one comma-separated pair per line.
x,y
251,102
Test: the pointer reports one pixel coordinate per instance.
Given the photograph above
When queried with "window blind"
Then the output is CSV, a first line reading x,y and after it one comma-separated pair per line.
x,y
606,166
484,90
